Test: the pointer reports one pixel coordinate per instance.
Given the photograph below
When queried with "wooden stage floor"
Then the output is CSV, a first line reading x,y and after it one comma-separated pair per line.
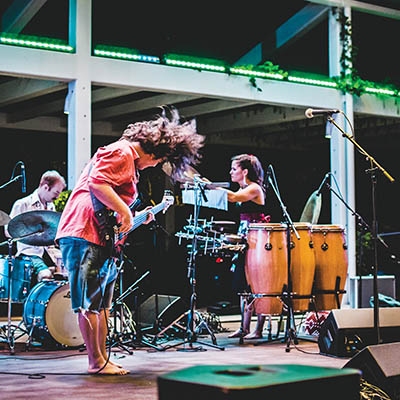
x,y
34,372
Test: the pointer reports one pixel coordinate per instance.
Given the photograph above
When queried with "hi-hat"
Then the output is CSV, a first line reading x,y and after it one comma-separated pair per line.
x,y
37,228
4,218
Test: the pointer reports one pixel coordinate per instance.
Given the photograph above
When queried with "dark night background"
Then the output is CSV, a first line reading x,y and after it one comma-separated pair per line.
x,y
225,32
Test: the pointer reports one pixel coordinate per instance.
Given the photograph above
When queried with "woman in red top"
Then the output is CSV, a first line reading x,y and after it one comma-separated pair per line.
x,y
247,205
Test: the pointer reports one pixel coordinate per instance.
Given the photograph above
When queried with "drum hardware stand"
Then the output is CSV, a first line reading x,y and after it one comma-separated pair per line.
x,y
129,335
123,337
191,333
10,329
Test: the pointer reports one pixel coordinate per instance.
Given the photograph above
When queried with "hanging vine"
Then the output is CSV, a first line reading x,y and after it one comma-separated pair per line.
x,y
349,80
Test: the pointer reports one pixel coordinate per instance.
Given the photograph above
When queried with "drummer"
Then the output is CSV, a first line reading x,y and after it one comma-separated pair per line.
x,y
247,206
45,259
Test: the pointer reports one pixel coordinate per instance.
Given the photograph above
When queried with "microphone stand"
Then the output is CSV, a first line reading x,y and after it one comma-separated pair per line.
x,y
13,178
372,172
191,329
361,225
287,295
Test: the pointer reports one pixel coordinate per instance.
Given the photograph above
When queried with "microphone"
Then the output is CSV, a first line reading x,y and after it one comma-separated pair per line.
x,y
321,186
268,177
23,178
311,113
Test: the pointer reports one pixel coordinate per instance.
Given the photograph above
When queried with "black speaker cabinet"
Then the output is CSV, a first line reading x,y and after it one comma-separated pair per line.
x,y
267,381
347,331
159,310
380,366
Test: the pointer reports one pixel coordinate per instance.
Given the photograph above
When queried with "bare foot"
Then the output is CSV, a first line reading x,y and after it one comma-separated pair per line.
x,y
115,363
253,335
108,360
237,334
109,369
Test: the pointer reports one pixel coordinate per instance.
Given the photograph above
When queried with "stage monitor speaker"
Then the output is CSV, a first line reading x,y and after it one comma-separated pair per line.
x,y
159,310
264,381
380,367
347,331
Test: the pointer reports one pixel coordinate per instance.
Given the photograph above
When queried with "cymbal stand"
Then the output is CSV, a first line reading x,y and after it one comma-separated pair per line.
x,y
193,317
119,309
129,335
9,330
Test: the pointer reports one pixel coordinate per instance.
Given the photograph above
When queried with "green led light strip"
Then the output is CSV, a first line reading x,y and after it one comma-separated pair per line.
x,y
197,63
123,53
36,42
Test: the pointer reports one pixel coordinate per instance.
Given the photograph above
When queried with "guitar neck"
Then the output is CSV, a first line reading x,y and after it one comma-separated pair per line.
x,y
141,218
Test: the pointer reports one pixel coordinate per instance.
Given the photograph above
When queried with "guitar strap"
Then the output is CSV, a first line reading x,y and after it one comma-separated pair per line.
x,y
100,210
102,213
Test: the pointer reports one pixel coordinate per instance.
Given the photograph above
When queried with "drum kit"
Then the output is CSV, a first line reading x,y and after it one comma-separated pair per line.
x,y
47,314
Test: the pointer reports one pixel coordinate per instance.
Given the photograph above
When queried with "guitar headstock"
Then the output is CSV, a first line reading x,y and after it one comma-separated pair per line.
x,y
168,200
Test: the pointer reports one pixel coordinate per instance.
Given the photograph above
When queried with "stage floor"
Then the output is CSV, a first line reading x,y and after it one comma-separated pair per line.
x,y
35,372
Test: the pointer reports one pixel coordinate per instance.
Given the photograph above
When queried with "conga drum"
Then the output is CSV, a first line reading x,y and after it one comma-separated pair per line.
x,y
266,265
302,266
331,265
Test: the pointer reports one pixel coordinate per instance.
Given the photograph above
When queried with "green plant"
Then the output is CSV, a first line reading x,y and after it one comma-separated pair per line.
x,y
61,200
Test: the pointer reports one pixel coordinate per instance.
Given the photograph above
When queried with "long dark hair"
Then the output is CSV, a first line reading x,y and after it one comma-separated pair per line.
x,y
178,143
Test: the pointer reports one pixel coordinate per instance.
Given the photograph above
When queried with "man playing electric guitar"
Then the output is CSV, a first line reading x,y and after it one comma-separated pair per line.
x,y
112,177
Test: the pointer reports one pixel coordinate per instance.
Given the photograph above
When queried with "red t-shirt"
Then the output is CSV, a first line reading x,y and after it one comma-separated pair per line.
x,y
114,165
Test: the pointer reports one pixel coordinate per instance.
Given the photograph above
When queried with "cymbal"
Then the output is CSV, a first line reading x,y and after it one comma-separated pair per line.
x,y
4,218
37,228
183,177
221,226
219,223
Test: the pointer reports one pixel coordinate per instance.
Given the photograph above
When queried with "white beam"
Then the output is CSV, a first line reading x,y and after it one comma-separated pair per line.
x,y
361,6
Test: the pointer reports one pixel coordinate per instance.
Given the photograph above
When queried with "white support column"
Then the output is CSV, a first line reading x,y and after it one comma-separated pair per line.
x,y
79,91
342,154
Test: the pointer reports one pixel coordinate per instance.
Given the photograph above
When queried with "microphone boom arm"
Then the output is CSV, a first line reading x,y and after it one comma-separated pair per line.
x,y
369,157
283,207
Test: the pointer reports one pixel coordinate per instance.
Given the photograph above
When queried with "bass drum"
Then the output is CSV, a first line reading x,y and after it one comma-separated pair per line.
x,y
48,315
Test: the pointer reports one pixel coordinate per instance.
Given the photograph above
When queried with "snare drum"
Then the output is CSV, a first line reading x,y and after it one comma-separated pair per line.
x,y
302,266
266,265
331,265
20,278
49,317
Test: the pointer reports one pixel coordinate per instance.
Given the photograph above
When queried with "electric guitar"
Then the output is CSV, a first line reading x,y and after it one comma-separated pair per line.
x,y
110,228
